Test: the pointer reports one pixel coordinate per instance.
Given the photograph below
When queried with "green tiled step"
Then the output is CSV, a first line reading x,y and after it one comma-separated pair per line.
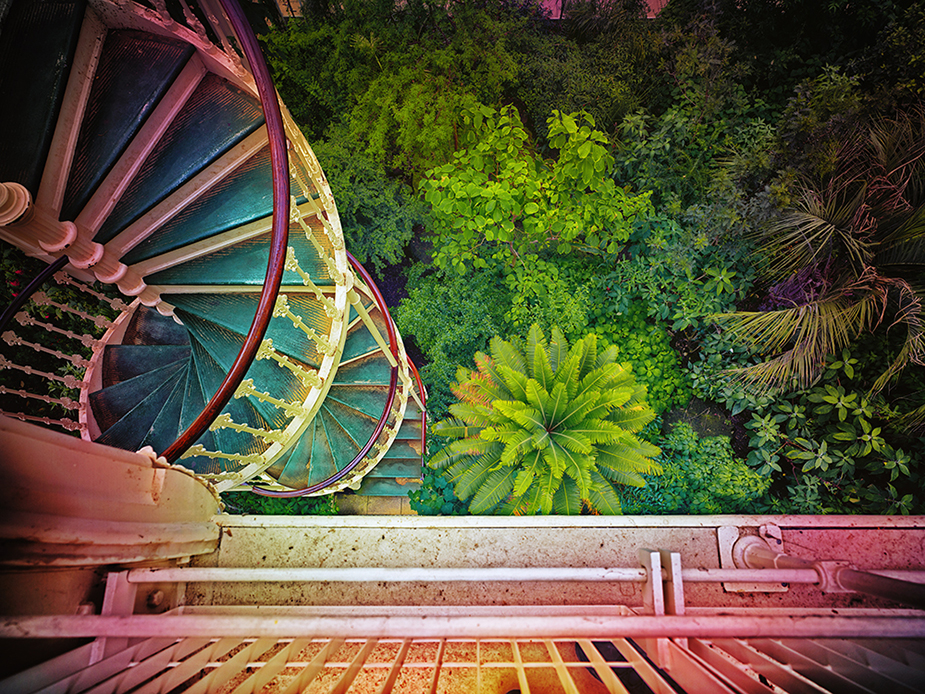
x,y
387,486
397,467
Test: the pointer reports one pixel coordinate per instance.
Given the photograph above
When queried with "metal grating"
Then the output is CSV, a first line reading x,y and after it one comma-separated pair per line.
x,y
411,666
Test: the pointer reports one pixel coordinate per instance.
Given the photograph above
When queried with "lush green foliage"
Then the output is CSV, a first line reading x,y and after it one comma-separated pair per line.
x,y
498,199
549,427
646,347
450,318
846,257
255,504
436,496
700,476
378,214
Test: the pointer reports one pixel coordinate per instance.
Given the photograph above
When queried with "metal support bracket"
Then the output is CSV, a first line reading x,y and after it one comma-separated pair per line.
x,y
728,535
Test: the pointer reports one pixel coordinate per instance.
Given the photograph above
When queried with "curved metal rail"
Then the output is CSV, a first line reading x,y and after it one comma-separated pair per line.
x,y
278,241
393,386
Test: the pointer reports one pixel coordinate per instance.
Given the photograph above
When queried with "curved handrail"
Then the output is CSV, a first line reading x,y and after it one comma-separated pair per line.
x,y
417,379
279,239
20,299
393,386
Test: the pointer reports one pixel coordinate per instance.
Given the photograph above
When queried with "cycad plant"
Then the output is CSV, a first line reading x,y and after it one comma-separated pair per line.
x,y
549,428
848,256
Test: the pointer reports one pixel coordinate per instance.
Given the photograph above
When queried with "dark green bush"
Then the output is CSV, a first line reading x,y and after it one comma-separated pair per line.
x,y
255,504
700,476
436,496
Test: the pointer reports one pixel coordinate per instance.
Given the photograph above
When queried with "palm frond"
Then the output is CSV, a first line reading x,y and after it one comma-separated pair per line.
x,y
567,500
516,381
472,414
469,480
539,399
609,401
558,348
520,443
630,478
495,487
547,483
607,356
567,374
621,456
536,344
505,354
453,428
632,418
586,351
603,496
572,440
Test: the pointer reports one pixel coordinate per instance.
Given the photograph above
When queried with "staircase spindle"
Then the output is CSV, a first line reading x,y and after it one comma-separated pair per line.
x,y
64,278
292,264
247,389
309,377
13,339
282,309
42,299
224,421
87,341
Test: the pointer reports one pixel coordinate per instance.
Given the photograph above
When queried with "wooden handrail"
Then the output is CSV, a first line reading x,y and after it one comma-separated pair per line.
x,y
279,239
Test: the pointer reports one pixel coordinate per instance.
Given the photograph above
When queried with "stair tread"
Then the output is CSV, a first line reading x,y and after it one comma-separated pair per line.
x,y
38,43
235,312
397,467
216,117
357,426
122,362
311,459
241,411
242,197
370,400
132,427
135,70
360,340
243,263
387,486
148,327
165,427
373,370
111,404
193,405
224,346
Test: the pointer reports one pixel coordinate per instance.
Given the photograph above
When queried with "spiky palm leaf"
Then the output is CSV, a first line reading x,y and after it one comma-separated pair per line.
x,y
864,232
549,429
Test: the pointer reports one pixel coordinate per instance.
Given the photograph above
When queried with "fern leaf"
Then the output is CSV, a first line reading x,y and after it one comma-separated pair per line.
x,y
536,345
505,354
516,447
632,418
515,381
586,351
547,484
470,478
620,456
453,428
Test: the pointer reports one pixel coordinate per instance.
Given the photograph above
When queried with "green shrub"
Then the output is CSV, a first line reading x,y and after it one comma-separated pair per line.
x,y
254,504
450,317
436,496
645,345
546,428
699,476
378,214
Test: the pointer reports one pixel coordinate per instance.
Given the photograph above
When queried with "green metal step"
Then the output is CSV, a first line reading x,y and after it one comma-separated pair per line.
x,y
134,71
217,116
122,362
243,263
111,404
148,327
133,426
37,44
235,312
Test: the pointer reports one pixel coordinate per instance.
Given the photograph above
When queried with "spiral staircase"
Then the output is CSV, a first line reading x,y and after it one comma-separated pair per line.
x,y
138,158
